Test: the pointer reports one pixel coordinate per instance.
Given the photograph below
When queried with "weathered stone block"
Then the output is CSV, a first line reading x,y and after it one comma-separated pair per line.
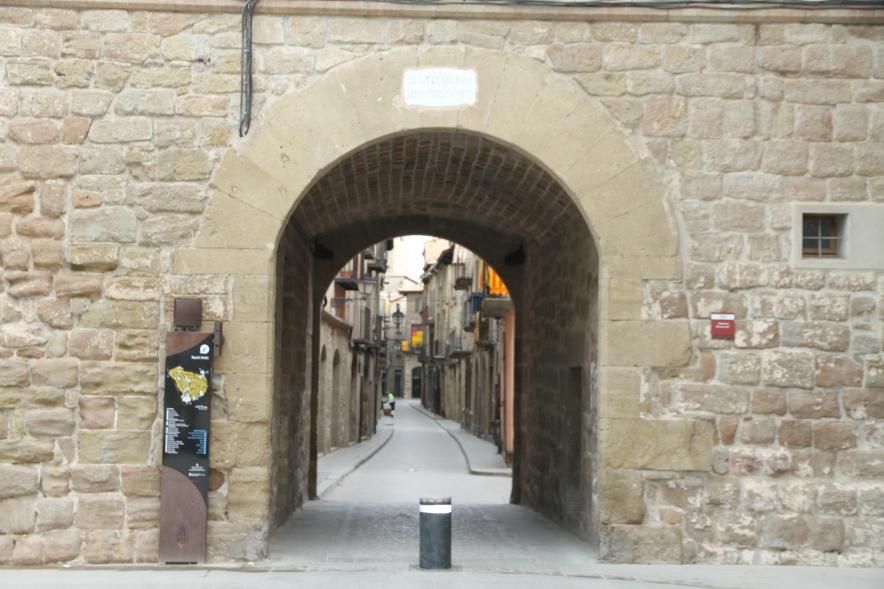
x,y
644,544
16,481
136,346
713,398
656,445
838,60
132,48
124,130
56,372
97,412
659,343
765,248
768,402
95,257
140,481
740,275
17,336
578,57
140,260
782,368
100,512
830,337
758,430
780,305
864,403
838,371
183,165
28,551
813,405
665,116
834,435
114,224
875,372
17,516
91,344
737,529
54,513
50,423
75,129
33,132
95,478
71,285
61,545
28,284
621,497
14,373
133,288
29,72
704,303
45,161
108,546
136,413
166,197
248,493
114,447
16,195
837,499
239,444
797,496
783,531
55,480
47,255
757,334
145,102
102,160
121,315
110,379
142,512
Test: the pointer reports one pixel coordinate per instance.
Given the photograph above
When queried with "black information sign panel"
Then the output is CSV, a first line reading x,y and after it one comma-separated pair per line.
x,y
185,481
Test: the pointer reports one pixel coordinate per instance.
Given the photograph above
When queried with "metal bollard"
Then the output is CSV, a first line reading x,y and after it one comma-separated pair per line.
x,y
435,532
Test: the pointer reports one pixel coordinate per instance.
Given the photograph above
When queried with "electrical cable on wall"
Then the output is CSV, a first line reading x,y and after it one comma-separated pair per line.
x,y
736,5
245,89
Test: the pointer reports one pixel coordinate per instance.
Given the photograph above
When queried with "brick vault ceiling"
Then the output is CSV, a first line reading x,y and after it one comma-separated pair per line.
x,y
408,182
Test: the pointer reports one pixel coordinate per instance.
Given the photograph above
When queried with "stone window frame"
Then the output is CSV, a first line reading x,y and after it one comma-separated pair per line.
x,y
862,246
829,238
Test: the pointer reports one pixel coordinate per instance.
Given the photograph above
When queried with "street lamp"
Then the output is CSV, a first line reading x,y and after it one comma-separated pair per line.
x,y
398,316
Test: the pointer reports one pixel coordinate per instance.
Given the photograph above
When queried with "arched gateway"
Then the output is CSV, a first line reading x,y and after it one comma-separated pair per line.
x,y
531,166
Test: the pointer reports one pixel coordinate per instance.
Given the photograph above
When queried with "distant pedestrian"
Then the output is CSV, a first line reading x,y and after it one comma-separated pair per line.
x,y
391,401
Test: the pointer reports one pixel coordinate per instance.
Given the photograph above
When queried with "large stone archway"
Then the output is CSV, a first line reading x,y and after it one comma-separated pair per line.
x,y
530,110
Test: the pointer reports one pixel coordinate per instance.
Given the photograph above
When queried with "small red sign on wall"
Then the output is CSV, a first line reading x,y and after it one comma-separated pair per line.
x,y
723,325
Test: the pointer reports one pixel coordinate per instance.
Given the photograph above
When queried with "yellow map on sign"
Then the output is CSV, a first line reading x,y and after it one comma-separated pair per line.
x,y
192,386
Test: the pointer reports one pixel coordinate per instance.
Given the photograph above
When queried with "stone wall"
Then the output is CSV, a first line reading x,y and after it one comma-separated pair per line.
x,y
557,335
768,449
340,423
290,435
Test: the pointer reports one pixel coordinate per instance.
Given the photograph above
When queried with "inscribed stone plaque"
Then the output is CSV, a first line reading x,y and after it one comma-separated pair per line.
x,y
439,87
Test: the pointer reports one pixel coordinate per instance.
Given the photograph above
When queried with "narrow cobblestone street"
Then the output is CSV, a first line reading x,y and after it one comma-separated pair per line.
x,y
370,520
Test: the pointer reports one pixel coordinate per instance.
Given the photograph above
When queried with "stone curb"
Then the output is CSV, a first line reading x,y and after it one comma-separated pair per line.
x,y
475,471
358,463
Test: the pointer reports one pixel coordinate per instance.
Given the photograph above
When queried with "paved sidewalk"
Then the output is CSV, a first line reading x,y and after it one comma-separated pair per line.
x,y
334,467
604,577
364,535
481,455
